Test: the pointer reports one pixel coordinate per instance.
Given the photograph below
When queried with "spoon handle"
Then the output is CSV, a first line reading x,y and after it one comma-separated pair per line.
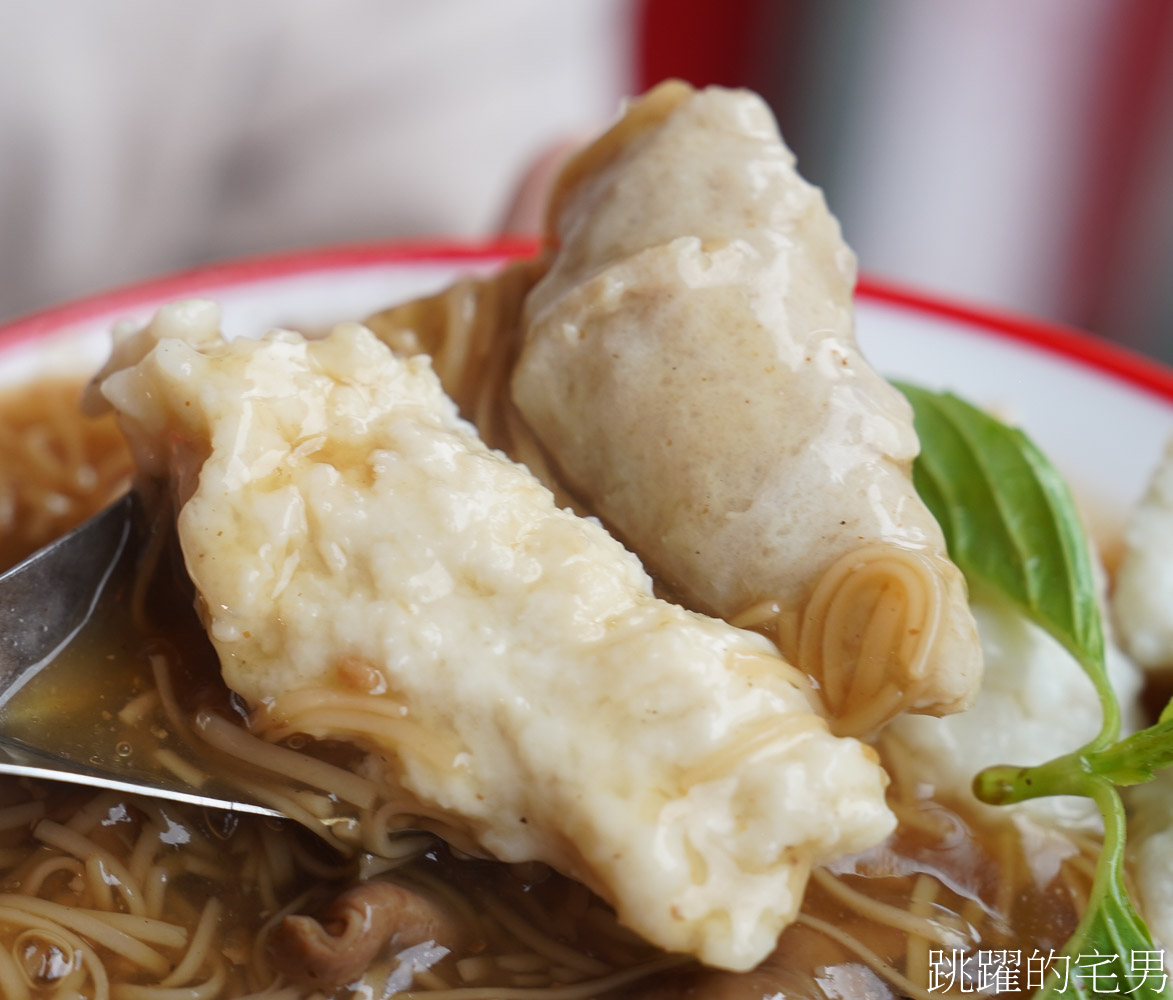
x,y
17,758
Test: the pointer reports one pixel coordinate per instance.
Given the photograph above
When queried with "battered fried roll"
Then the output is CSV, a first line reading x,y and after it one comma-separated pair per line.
x,y
689,360
472,332
368,570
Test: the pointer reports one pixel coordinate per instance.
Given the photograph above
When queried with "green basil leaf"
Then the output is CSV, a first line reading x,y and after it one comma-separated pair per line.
x,y
1111,951
1136,759
1166,712
1011,524
1113,954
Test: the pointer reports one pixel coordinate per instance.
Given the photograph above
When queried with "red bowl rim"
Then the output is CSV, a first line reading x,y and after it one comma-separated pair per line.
x,y
1105,357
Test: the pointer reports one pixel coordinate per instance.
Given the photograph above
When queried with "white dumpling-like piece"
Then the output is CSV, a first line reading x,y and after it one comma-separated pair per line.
x,y
690,365
1150,852
344,527
1142,602
1035,704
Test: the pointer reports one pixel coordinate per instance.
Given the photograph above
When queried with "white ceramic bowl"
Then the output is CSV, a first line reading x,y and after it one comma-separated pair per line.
x,y
1101,413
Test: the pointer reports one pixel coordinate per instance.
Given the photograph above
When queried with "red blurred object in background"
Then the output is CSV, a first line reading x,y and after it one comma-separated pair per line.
x,y
1020,155
1136,106
697,40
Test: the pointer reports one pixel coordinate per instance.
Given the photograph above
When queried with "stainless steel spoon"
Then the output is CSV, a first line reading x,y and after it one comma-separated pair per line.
x,y
45,602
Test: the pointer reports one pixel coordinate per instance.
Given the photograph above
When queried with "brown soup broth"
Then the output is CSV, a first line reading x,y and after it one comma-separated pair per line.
x,y
951,875
56,466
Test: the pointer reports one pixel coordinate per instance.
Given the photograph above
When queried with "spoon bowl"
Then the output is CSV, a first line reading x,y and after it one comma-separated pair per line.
x,y
46,603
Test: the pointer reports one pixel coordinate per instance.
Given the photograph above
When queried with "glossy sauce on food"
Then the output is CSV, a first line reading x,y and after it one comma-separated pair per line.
x,y
979,883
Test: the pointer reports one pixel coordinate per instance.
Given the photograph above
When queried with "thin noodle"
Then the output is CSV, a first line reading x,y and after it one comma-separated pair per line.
x,y
195,865
772,736
155,891
533,938
575,991
894,590
143,853
259,970
65,839
175,715
91,962
147,564
374,726
310,699
24,814
914,814
12,984
200,948
757,615
315,802
305,861
916,964
94,812
101,890
1082,864
1078,873
139,708
756,666
431,979
97,971
526,961
882,633
94,928
974,912
67,972
290,807
145,929
869,717
66,988
1007,843
458,901
264,886
476,968
239,743
888,915
31,884
870,958
278,857
205,991
188,773
393,841
850,682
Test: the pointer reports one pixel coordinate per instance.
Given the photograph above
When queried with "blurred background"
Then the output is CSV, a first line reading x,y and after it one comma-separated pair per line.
x,y
1012,153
